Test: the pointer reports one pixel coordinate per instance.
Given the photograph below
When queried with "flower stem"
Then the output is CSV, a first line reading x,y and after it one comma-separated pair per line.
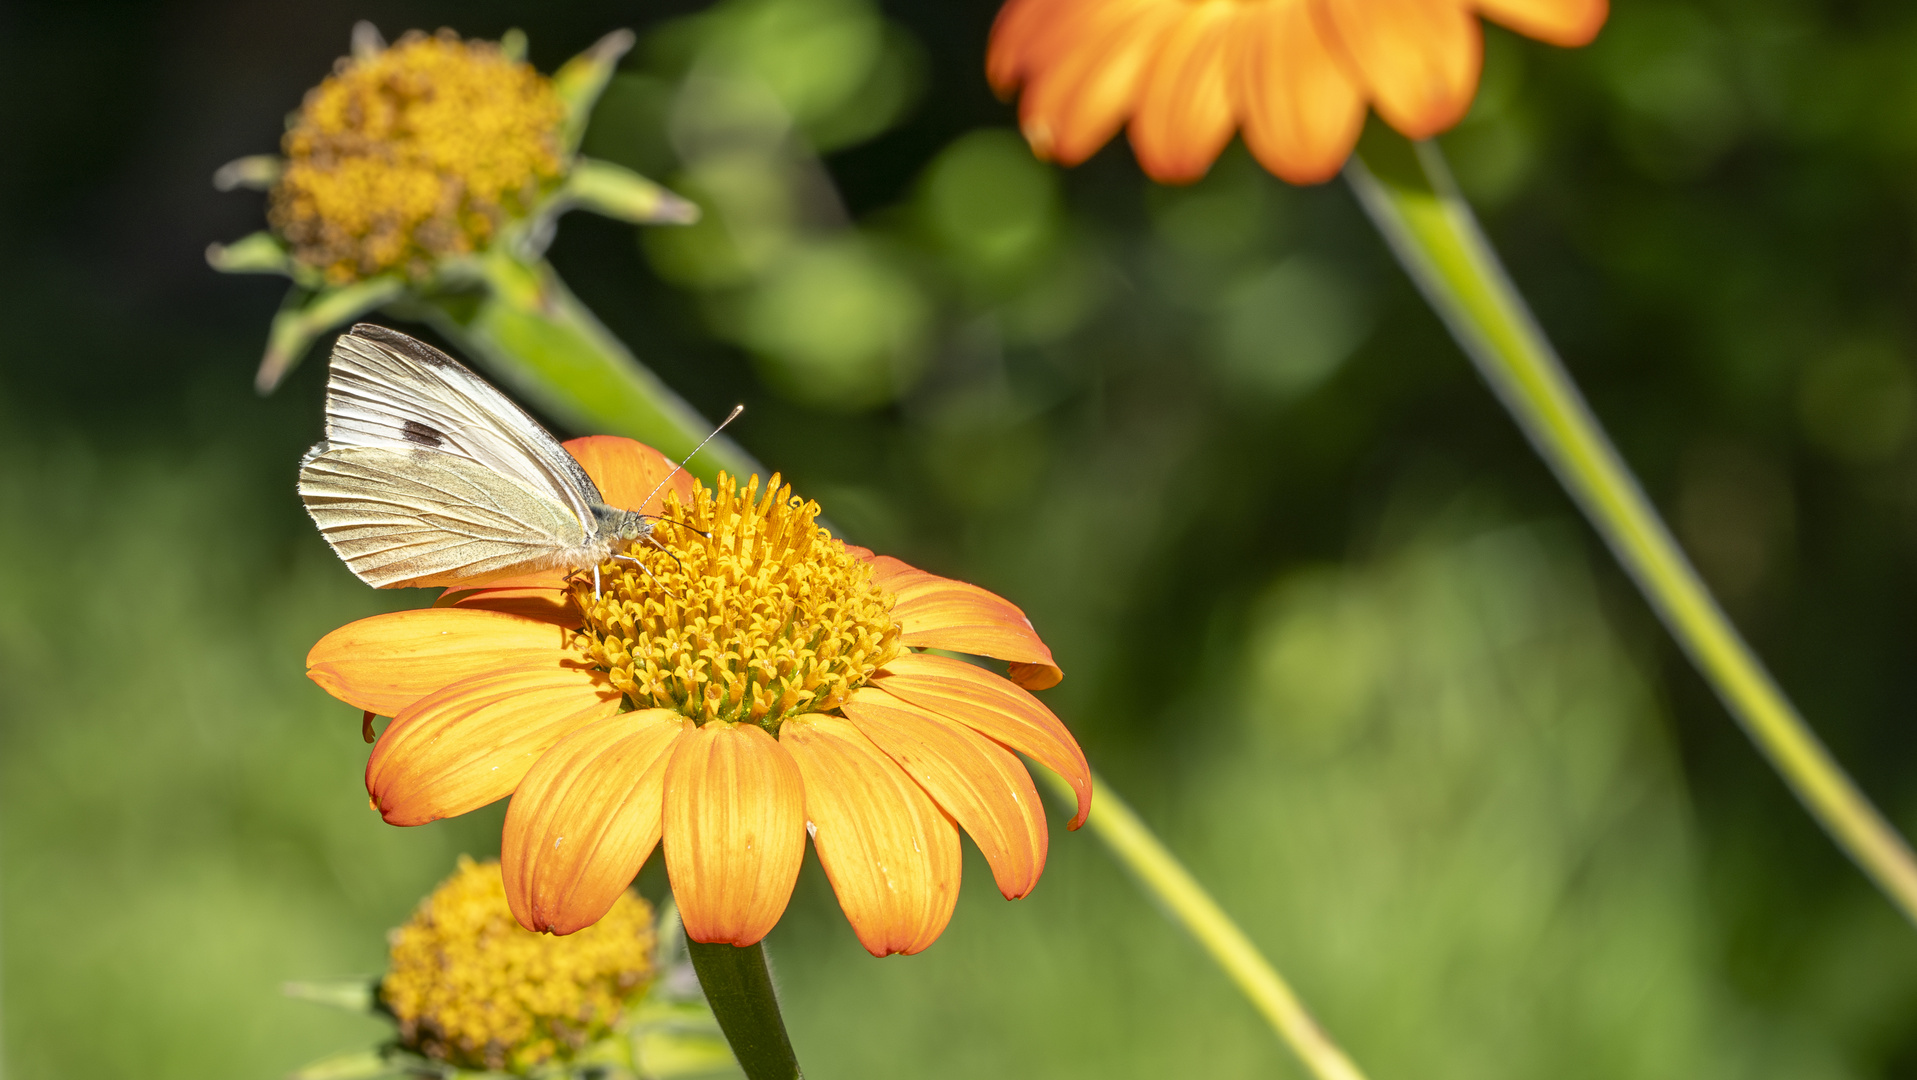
x,y
1408,192
1162,876
738,986
534,334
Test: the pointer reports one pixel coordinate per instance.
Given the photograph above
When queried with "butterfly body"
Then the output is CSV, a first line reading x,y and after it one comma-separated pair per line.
x,y
428,476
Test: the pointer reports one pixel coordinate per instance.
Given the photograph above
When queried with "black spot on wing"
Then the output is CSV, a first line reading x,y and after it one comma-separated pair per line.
x,y
410,347
421,435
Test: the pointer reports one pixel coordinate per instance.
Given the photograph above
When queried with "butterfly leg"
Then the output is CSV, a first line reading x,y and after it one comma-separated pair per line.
x,y
654,541
650,574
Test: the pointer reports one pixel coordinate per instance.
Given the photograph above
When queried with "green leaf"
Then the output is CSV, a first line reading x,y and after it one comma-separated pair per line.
x,y
579,82
617,192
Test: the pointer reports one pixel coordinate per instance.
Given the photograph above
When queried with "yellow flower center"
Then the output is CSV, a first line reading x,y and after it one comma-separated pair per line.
x,y
470,986
419,153
767,617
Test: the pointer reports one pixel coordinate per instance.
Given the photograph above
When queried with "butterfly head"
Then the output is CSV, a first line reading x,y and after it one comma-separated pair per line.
x,y
623,526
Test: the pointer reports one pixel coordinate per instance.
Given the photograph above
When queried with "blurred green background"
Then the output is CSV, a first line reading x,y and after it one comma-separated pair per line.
x,y
1325,618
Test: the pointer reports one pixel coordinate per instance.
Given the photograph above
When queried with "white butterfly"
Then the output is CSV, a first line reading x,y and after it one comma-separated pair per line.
x,y
430,477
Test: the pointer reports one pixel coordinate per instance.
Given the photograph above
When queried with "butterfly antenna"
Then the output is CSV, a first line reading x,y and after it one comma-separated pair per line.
x,y
658,520
677,469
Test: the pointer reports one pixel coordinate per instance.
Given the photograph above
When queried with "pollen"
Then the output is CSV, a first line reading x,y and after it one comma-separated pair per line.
x,y
765,618
421,152
472,988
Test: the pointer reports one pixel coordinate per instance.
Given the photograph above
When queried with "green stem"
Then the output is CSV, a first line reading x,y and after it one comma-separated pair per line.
x,y
1410,196
739,988
536,336
1162,876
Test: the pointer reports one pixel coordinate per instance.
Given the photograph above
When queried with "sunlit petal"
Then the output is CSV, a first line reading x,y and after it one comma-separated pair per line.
x,y
734,831
1561,22
1302,111
972,778
891,853
627,472
385,663
1418,58
543,597
939,613
1076,102
585,818
470,743
995,708
1185,110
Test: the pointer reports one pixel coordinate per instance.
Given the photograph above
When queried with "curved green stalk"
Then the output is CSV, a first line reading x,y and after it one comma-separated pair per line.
x,y
738,986
1167,881
1409,195
536,336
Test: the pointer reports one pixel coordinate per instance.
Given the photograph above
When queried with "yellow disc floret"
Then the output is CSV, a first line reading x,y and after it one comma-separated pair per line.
x,y
767,617
473,988
417,153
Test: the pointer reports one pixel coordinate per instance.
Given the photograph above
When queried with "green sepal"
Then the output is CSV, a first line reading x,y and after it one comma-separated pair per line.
x,y
256,253
579,82
619,193
359,994
256,172
307,314
513,44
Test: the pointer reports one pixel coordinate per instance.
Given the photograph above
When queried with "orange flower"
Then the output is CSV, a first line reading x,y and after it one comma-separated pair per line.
x,y
1295,75
725,697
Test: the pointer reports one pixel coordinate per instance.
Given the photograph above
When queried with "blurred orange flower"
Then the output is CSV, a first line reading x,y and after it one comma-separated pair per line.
x,y
741,690
1294,75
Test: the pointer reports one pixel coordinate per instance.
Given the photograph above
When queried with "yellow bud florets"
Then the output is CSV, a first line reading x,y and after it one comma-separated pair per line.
x,y
420,152
471,987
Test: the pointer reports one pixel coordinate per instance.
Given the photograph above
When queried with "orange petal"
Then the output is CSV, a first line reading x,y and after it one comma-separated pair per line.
x,y
628,471
469,744
1084,81
1302,111
387,662
734,831
585,818
994,708
974,779
546,602
1020,25
1418,58
1185,110
891,853
939,613
1569,23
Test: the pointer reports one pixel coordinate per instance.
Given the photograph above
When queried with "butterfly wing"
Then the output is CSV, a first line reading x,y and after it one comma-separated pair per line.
x,y
388,390
429,476
409,518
